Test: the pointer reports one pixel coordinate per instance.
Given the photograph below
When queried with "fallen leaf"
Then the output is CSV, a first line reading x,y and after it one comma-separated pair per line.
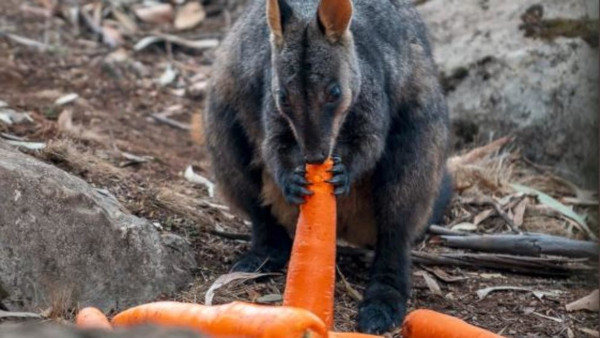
x,y
191,176
351,290
442,275
191,44
3,104
134,159
465,226
28,145
66,99
491,275
21,315
269,299
589,332
482,216
228,278
482,293
432,284
111,36
10,116
168,76
519,212
558,320
128,24
589,302
189,15
26,41
157,13
556,205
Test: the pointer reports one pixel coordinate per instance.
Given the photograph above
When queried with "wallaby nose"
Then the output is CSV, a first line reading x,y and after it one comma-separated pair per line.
x,y
317,157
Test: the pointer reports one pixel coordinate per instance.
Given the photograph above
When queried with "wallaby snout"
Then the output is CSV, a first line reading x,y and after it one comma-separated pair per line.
x,y
316,157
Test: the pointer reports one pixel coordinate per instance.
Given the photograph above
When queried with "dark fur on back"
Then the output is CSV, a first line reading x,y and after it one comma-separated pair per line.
x,y
389,130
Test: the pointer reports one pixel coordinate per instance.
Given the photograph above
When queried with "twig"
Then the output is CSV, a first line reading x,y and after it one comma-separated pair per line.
x,y
170,122
489,202
526,244
439,230
540,266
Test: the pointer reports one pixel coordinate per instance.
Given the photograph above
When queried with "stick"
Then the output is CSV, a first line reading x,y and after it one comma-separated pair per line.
x,y
540,266
527,244
171,122
518,264
439,230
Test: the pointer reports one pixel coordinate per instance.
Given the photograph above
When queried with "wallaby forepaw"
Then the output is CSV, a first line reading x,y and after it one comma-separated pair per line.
x,y
341,178
379,314
295,186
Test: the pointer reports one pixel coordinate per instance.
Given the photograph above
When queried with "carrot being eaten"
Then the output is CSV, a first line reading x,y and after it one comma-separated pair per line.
x,y
235,319
430,324
92,318
311,273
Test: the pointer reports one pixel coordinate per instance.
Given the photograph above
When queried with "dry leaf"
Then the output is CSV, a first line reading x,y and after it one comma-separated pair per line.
x,y
589,302
432,284
519,212
157,14
465,226
10,116
482,216
66,99
228,278
589,332
558,320
269,299
128,24
189,15
351,291
482,293
192,44
442,275
191,176
111,36
27,145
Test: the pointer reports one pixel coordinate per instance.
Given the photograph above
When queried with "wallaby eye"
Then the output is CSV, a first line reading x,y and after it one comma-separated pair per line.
x,y
334,93
282,96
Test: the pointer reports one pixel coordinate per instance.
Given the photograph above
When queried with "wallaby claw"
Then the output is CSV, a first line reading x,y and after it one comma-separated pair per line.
x,y
341,178
295,187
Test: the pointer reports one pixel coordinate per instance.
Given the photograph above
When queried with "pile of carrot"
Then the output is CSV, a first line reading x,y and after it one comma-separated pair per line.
x,y
308,298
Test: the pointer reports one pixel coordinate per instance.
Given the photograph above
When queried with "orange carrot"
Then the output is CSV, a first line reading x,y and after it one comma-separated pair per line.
x,y
311,272
351,335
92,318
235,319
430,324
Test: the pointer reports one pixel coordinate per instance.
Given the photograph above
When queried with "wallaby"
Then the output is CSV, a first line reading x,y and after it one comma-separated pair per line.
x,y
298,81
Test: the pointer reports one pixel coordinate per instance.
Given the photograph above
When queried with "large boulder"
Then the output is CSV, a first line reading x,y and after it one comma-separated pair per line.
x,y
522,67
64,241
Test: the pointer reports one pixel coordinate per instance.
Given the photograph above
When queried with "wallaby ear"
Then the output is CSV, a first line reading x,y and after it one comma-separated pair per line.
x,y
278,12
334,17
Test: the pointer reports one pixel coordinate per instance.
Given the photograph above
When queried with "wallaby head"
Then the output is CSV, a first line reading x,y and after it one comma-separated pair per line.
x,y
315,74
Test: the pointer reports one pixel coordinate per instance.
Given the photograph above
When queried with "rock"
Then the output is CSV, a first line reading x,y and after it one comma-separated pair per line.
x,y
65,243
542,87
53,331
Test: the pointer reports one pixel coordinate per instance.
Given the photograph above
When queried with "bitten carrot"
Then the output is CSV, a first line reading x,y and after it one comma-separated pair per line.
x,y
311,272
235,319
92,318
430,324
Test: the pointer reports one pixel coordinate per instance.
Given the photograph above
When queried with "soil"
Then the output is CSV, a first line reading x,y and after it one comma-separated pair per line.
x,y
113,115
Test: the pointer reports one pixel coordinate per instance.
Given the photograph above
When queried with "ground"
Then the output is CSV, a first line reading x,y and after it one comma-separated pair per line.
x,y
118,93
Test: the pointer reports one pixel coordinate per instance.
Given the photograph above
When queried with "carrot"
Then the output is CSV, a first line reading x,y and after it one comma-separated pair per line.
x,y
429,324
351,335
235,319
311,272
92,318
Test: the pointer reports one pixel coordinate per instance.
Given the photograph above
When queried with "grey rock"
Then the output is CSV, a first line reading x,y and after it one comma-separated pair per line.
x,y
65,243
501,82
57,331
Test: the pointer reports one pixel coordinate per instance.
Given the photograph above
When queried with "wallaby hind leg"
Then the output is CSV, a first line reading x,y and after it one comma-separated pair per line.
x,y
405,184
240,183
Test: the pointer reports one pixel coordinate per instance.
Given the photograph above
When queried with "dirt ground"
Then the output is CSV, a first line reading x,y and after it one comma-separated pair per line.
x,y
118,94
